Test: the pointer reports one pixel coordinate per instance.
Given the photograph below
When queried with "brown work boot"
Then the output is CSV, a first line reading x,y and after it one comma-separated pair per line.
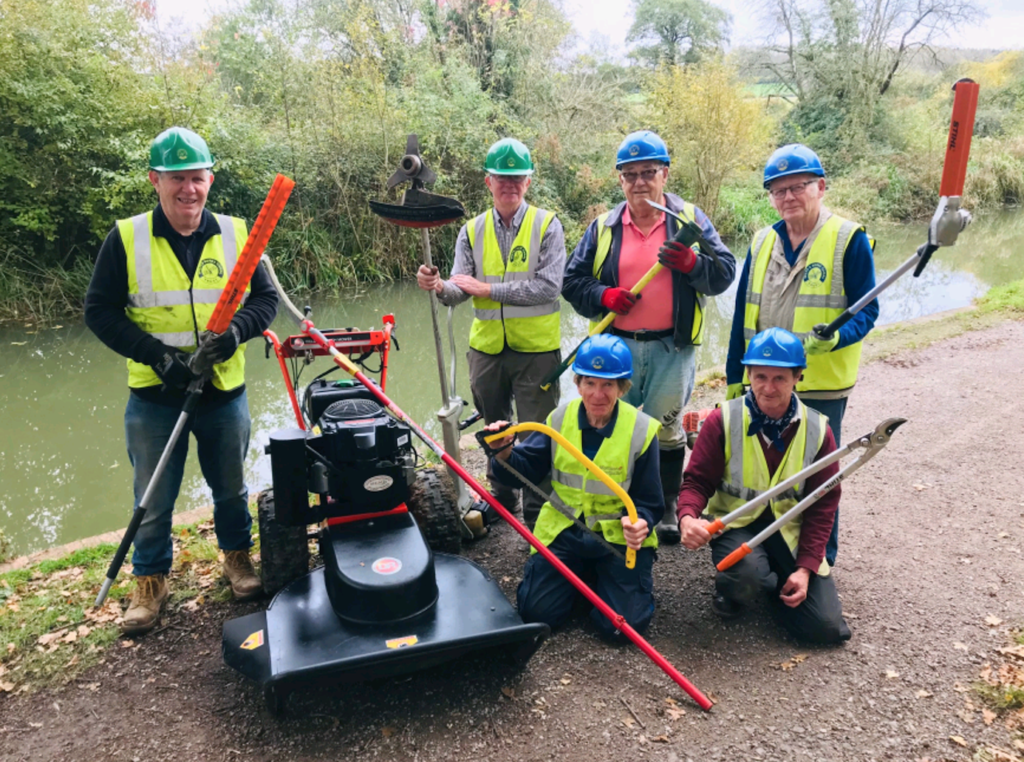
x,y
151,592
239,570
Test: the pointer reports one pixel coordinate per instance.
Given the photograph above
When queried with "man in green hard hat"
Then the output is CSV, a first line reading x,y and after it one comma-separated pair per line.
x,y
509,260
157,280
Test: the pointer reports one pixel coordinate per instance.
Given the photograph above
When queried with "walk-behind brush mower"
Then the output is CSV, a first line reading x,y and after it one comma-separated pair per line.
x,y
385,601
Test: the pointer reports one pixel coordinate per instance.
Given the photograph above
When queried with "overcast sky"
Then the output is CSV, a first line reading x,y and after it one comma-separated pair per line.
x,y
610,19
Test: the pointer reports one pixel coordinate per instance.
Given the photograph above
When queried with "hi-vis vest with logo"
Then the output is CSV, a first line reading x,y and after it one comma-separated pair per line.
x,y
746,470
592,499
525,329
604,246
163,302
822,299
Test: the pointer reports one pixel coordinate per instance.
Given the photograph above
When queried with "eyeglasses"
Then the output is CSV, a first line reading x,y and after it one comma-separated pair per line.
x,y
647,175
797,190
510,179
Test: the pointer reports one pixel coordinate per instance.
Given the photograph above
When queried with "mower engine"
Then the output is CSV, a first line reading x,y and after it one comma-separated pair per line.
x,y
361,461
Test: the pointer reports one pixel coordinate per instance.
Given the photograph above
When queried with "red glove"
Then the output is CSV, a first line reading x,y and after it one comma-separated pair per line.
x,y
619,300
677,256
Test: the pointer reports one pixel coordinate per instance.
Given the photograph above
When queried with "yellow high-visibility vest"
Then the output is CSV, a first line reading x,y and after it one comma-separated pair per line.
x,y
593,500
822,298
604,246
746,470
164,303
525,329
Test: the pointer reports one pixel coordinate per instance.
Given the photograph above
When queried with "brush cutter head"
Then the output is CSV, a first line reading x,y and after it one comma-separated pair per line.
x,y
419,208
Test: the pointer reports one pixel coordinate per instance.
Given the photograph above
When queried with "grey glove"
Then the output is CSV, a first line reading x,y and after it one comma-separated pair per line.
x,y
215,349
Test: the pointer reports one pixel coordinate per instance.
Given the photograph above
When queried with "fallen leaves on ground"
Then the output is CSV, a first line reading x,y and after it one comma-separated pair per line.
x,y
993,621
959,741
891,674
673,711
924,694
792,662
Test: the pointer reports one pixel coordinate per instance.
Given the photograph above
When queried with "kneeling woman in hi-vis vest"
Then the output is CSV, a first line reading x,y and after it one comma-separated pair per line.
x,y
623,442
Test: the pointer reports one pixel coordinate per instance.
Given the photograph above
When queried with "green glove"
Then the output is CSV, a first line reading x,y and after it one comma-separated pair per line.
x,y
732,391
815,346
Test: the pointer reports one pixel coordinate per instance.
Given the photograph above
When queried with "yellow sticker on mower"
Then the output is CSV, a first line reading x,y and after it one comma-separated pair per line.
x,y
253,642
408,640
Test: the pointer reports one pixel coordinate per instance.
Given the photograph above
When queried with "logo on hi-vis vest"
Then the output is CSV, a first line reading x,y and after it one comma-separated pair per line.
x,y
253,642
211,271
816,272
518,255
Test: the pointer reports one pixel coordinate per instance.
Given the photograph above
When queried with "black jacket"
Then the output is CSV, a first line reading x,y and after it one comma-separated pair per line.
x,y
107,298
583,291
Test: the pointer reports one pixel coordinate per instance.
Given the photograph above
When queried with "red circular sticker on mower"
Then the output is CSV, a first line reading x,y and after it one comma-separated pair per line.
x,y
386,565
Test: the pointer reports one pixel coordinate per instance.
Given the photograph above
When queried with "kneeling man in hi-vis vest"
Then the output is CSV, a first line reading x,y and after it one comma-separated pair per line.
x,y
157,280
509,260
664,324
806,269
623,442
746,447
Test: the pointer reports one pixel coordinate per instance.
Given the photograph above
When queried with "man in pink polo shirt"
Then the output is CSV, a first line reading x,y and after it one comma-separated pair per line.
x,y
663,326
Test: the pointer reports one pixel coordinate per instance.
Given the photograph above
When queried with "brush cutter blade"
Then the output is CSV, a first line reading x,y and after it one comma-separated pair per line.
x,y
420,209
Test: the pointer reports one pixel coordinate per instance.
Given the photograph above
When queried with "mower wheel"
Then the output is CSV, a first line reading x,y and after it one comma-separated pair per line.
x,y
432,502
284,550
275,698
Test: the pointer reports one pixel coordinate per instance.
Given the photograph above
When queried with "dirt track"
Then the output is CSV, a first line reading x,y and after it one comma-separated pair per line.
x,y
931,545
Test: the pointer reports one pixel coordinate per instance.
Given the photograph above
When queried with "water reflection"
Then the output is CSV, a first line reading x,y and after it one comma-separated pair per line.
x,y
64,471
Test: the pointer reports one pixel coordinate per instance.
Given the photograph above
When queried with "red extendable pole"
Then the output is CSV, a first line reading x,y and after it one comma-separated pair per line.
x,y
617,619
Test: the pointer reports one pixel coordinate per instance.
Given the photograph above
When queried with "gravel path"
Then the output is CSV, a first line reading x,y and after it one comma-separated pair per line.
x,y
931,546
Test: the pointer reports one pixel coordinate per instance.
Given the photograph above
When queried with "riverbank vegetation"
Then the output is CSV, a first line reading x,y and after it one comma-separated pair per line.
x,y
327,96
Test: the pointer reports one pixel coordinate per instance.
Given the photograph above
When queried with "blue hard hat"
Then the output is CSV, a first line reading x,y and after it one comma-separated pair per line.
x,y
603,356
776,347
794,159
642,146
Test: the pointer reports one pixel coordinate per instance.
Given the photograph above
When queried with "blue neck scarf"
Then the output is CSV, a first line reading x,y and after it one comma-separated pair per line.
x,y
770,427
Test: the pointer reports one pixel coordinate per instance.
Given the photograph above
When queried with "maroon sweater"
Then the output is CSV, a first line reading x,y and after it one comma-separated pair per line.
x,y
706,467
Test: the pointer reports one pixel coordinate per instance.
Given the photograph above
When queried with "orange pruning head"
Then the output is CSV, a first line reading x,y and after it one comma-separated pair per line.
x,y
958,146
254,247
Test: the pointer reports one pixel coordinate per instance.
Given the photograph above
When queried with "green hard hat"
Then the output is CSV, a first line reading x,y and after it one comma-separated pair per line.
x,y
179,149
508,157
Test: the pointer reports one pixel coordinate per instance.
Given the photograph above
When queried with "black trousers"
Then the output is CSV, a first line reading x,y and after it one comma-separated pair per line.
x,y
819,619
546,596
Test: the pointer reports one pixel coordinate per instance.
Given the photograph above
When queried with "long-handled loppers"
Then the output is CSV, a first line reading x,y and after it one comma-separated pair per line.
x,y
620,623
868,446
228,302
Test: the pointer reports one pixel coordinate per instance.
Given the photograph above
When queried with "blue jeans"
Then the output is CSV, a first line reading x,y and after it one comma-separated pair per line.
x,y
546,596
222,439
663,379
834,409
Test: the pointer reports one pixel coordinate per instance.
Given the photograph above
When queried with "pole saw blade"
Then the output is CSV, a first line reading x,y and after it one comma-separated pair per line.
x,y
958,146
255,244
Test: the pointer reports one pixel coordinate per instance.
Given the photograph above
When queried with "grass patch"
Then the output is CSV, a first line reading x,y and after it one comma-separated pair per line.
x,y
1007,298
49,630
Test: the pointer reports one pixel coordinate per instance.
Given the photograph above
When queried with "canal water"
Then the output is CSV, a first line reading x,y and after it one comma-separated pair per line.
x,y
64,472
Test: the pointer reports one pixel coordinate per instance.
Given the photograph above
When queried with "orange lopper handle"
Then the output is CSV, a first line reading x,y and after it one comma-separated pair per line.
x,y
714,526
255,244
734,558
958,147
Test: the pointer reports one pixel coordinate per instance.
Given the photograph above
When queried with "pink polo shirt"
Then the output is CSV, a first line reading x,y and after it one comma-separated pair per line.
x,y
653,311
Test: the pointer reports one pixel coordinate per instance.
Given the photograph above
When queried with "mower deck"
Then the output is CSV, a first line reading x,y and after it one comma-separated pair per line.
x,y
300,641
